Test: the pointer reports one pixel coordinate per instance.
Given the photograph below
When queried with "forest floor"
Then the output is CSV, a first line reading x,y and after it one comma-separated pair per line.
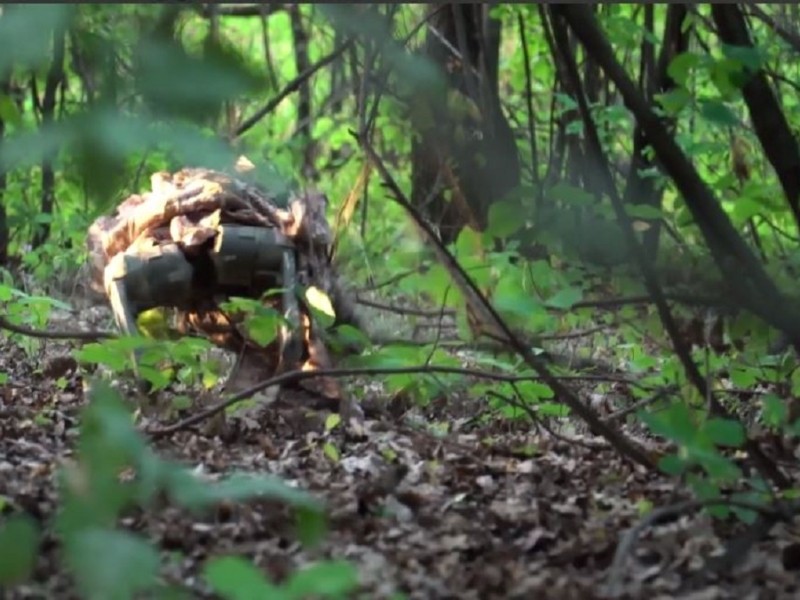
x,y
469,511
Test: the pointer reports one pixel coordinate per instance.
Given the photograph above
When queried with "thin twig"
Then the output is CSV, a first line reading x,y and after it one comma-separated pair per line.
x,y
91,336
290,88
488,314
625,545
297,376
400,310
623,412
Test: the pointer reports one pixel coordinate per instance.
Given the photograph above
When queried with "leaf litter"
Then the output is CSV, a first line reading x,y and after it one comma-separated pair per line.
x,y
471,510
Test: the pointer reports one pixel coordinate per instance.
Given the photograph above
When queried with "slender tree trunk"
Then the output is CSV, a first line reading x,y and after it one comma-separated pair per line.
x,y
772,128
5,89
748,282
464,156
55,78
303,130
645,190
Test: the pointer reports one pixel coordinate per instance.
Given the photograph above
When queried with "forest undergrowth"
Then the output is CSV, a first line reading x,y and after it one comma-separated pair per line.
x,y
553,287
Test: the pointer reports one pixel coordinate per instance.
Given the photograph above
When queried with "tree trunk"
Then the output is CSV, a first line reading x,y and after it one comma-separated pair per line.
x,y
5,86
464,156
769,122
55,78
646,190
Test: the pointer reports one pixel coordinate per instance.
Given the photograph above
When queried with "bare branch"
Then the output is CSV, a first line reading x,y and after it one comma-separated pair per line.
x,y
290,88
90,336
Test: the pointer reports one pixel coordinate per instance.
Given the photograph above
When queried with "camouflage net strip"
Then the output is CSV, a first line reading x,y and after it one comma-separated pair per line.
x,y
186,208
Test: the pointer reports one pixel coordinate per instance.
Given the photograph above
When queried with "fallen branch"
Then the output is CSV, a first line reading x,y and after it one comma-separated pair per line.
x,y
90,336
777,511
298,375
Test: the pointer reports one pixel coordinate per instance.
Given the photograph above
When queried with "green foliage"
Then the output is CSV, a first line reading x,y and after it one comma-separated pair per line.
x,y
147,88
236,579
107,561
158,361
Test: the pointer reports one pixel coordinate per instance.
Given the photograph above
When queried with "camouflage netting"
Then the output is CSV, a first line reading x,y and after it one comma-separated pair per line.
x,y
185,209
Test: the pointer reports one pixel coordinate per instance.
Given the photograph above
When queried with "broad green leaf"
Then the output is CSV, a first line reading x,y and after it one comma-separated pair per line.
x,y
725,432
321,305
675,422
263,328
553,409
234,578
9,113
674,101
750,57
743,377
672,464
194,493
332,421
565,298
774,410
719,467
26,32
505,218
744,208
571,194
644,211
717,112
19,541
331,579
532,391
112,564
681,65
331,451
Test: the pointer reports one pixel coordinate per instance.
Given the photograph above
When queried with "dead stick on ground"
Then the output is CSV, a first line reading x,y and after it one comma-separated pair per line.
x,y
777,511
90,336
296,376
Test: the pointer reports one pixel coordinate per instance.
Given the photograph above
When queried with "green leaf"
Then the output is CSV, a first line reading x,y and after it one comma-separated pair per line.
x,y
675,422
321,306
19,542
774,410
719,467
234,578
264,327
571,194
330,579
534,390
674,101
644,211
26,32
681,65
505,218
716,111
111,564
9,113
725,432
332,421
672,464
331,451
565,298
750,57
553,409
193,493
180,85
